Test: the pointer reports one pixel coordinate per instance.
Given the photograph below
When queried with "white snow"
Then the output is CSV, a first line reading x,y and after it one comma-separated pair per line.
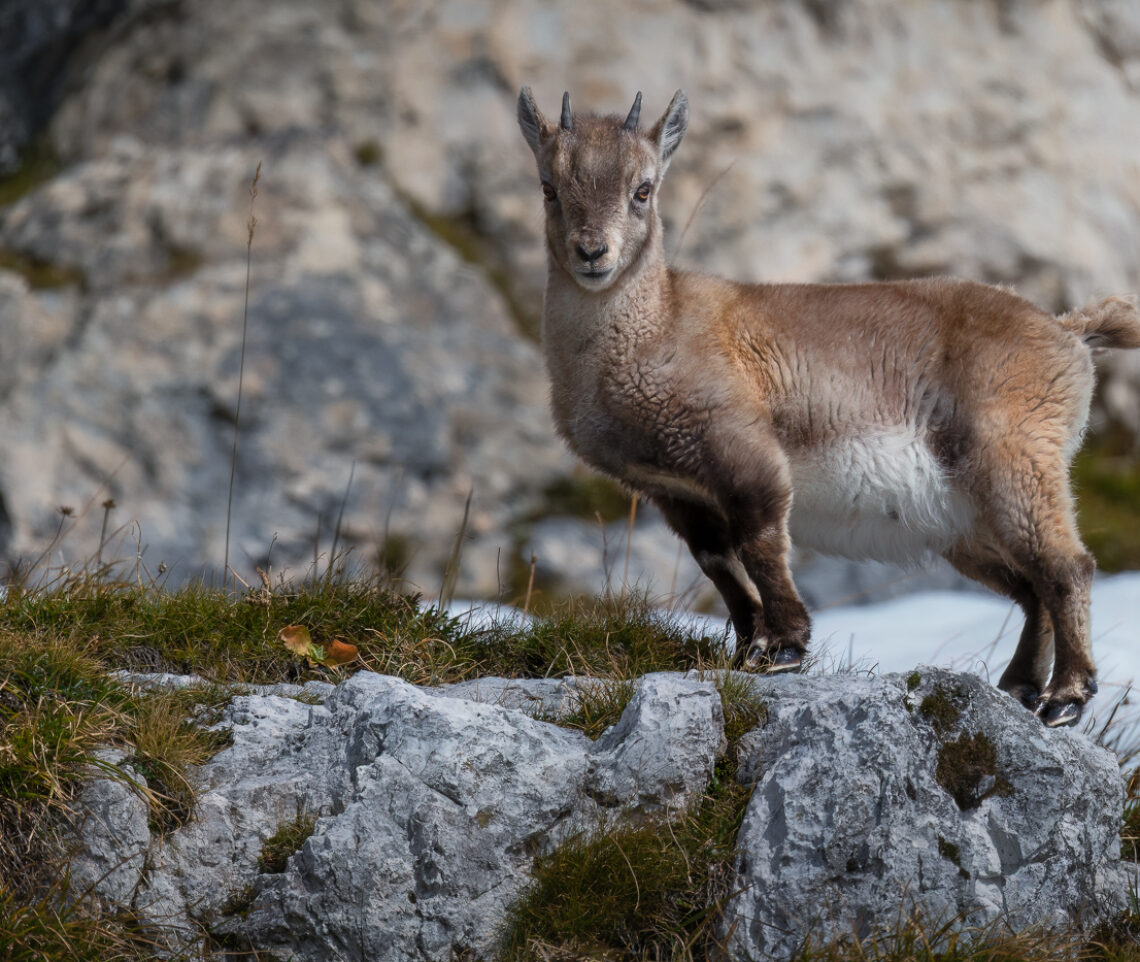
x,y
964,630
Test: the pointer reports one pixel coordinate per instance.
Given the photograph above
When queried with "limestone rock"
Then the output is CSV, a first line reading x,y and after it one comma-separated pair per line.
x,y
430,804
870,796
37,40
383,380
932,793
112,820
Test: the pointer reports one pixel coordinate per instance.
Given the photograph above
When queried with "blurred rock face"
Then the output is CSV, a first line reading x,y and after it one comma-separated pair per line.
x,y
390,364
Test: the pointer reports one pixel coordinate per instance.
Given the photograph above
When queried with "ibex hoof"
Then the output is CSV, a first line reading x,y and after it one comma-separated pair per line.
x,y
1062,715
785,659
771,662
1028,695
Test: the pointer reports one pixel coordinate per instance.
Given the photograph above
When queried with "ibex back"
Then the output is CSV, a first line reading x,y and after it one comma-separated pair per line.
x,y
893,421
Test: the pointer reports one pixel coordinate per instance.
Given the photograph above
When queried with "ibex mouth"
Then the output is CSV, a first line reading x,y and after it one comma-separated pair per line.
x,y
594,276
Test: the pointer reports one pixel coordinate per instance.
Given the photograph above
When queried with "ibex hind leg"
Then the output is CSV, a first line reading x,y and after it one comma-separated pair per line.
x,y
1027,674
1035,523
1063,585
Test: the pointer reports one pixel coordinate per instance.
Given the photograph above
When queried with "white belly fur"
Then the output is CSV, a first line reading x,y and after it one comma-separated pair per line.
x,y
879,496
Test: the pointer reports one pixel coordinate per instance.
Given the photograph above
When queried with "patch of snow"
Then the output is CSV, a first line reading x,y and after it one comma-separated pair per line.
x,y
966,631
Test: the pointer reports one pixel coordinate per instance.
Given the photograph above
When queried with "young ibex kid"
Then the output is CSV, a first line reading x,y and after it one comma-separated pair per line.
x,y
892,421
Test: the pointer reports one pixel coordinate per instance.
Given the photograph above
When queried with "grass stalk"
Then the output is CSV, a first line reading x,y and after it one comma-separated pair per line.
x,y
629,541
251,226
451,569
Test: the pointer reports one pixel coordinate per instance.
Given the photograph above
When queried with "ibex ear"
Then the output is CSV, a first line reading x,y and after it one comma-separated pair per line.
x,y
669,130
533,125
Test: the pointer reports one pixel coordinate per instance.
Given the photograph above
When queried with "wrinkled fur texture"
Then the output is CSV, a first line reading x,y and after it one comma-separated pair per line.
x,y
894,421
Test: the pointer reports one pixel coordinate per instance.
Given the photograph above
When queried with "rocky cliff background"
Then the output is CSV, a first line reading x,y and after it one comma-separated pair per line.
x,y
391,363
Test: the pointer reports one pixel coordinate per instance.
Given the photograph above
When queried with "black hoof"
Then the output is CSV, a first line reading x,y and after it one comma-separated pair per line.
x,y
785,659
1063,715
771,662
1028,695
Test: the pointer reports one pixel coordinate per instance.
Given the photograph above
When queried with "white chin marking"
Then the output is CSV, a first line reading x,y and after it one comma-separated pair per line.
x,y
879,496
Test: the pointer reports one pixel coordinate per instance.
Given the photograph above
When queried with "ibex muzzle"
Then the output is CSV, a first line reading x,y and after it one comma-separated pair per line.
x,y
894,421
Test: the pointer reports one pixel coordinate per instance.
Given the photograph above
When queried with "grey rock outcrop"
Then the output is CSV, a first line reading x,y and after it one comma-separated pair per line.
x,y
398,255
37,39
372,352
933,794
113,821
431,804
431,807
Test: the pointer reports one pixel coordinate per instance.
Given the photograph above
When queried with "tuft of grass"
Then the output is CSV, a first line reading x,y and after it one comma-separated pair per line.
x,y
207,631
598,705
913,938
287,840
744,709
650,891
614,636
167,746
39,164
53,928
40,274
57,709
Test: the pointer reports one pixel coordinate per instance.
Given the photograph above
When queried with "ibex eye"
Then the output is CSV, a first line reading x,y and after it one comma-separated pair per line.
x,y
549,192
642,192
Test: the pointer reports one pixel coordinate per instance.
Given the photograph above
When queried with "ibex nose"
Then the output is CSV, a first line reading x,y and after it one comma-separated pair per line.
x,y
589,256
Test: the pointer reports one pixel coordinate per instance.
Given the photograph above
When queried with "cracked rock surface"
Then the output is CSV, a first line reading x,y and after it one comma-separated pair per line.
x,y
853,821
431,805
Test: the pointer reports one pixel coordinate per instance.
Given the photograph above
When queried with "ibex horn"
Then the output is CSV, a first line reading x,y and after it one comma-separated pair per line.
x,y
634,113
567,120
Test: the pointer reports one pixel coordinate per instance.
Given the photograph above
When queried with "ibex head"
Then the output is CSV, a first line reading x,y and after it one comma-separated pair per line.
x,y
600,177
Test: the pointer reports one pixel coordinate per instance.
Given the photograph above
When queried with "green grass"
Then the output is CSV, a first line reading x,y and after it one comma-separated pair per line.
x,y
914,939
942,708
39,273
598,705
47,928
649,891
208,631
286,841
39,164
58,708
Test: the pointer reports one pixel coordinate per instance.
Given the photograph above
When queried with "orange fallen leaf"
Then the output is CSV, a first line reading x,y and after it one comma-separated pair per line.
x,y
296,638
340,652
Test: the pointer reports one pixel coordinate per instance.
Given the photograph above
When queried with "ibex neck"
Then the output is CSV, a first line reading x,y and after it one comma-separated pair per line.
x,y
636,306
